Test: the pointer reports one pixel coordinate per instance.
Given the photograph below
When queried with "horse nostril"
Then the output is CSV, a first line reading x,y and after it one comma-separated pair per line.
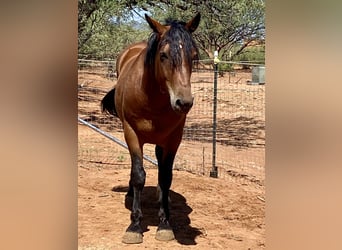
x,y
183,105
179,103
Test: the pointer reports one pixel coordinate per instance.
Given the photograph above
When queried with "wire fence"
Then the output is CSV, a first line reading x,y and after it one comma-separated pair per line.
x,y
240,123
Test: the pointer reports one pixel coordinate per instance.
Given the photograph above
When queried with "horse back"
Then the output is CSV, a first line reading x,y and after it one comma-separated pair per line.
x,y
108,102
127,54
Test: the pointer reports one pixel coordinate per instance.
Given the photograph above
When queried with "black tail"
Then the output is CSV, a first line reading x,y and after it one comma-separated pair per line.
x,y
108,103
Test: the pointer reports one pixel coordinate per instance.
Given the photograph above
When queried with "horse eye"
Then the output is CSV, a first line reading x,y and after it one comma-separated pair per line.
x,y
163,56
195,57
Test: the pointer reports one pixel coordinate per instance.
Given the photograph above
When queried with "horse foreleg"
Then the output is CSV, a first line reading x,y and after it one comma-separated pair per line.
x,y
134,231
165,162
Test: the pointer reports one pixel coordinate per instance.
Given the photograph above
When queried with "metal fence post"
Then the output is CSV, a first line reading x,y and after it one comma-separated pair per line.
x,y
214,172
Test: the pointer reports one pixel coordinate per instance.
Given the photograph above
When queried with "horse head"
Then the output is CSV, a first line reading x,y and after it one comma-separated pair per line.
x,y
170,54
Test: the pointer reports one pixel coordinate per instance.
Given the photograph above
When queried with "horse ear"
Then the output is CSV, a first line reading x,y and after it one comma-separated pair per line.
x,y
192,25
155,25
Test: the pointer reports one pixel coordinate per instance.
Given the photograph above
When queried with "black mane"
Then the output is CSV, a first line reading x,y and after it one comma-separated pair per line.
x,y
177,33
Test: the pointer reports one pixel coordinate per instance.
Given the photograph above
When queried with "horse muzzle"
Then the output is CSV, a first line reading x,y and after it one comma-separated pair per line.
x,y
183,105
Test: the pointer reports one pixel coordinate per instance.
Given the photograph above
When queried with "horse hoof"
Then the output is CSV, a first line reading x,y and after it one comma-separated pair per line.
x,y
132,238
165,235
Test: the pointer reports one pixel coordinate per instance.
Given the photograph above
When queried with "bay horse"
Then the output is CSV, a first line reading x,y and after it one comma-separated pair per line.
x,y
152,98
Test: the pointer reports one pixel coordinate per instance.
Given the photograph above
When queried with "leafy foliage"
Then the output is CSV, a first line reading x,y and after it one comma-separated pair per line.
x,y
106,26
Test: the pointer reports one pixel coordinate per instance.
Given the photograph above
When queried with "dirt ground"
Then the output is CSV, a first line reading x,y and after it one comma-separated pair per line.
x,y
206,213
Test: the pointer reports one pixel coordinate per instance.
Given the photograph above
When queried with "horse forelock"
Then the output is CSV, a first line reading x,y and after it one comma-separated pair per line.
x,y
177,37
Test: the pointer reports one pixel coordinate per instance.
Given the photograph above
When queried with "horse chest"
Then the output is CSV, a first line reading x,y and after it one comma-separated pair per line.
x,y
158,130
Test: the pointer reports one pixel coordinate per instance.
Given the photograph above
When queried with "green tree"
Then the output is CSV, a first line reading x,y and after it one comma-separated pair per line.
x,y
93,18
106,26
226,26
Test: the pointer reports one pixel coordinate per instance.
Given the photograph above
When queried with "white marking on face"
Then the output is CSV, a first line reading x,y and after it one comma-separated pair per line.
x,y
171,93
180,46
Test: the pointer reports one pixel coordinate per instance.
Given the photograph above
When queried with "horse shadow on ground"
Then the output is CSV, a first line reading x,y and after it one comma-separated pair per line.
x,y
179,213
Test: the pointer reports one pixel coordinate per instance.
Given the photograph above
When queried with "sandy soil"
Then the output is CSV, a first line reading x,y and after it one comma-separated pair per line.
x,y
206,213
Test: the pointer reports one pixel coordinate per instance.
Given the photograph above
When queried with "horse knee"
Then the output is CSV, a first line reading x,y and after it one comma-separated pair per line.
x,y
138,178
138,174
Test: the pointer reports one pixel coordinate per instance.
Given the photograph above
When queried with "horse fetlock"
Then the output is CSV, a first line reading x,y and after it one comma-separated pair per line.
x,y
134,227
136,217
